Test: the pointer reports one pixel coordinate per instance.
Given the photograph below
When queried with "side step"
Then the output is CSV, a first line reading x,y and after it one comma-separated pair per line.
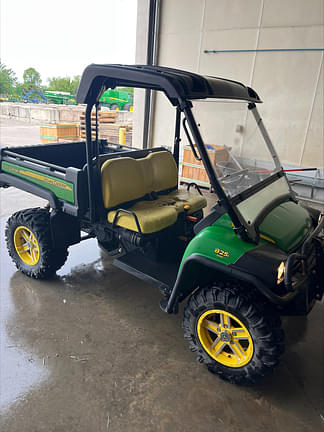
x,y
160,274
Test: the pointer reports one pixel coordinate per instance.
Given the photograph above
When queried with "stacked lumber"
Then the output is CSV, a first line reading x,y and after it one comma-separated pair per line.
x,y
108,129
110,132
104,117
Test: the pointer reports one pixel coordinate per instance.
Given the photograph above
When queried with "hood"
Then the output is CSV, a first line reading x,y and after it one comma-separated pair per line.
x,y
286,226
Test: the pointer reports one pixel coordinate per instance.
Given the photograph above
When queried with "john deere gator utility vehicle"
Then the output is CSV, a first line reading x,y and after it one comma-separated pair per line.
x,y
256,255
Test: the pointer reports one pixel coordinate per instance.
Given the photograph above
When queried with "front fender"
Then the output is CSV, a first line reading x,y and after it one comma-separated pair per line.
x,y
198,270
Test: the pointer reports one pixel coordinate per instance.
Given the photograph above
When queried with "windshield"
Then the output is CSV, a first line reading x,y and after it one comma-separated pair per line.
x,y
236,147
242,156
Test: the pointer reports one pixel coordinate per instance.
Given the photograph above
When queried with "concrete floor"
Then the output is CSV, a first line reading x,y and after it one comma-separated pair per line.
x,y
90,351
15,132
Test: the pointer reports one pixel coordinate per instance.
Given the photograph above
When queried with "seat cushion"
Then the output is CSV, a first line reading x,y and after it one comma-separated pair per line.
x,y
152,216
180,197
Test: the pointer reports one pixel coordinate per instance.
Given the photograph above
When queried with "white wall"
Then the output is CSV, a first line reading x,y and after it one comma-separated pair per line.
x,y
289,83
140,58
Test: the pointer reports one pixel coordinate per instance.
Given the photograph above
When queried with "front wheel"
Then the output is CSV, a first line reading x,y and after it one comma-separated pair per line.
x,y
237,335
29,243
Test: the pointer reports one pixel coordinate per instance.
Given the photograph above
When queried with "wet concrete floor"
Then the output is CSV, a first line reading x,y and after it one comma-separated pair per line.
x,y
16,132
91,351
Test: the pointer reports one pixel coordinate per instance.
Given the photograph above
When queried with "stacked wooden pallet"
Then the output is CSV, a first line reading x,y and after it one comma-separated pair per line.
x,y
59,132
194,170
107,127
104,118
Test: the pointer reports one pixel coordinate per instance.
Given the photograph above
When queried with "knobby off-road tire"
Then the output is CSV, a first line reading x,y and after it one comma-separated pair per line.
x,y
128,107
114,107
236,334
29,243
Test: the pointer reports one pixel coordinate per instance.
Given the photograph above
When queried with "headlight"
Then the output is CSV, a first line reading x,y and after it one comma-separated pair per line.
x,y
281,272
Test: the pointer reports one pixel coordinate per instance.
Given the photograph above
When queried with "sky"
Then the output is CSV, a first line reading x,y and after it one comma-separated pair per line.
x,y
61,37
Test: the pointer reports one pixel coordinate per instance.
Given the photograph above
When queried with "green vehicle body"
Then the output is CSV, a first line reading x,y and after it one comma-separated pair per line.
x,y
62,189
112,98
286,226
59,98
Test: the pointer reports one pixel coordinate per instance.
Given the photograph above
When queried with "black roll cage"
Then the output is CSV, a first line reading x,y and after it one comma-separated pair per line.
x,y
180,87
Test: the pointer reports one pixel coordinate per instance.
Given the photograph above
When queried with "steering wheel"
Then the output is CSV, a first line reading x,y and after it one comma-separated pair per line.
x,y
234,175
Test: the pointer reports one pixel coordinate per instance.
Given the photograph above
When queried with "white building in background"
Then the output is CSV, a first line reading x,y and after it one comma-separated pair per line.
x,y
283,43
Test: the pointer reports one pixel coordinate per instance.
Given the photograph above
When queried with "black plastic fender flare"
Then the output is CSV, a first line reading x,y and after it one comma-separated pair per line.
x,y
65,228
196,270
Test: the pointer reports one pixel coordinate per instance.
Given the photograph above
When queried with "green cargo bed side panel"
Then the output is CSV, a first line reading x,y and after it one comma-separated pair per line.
x,y
219,242
60,188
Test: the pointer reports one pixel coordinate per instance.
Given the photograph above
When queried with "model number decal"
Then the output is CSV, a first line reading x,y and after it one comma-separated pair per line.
x,y
63,189
221,253
37,176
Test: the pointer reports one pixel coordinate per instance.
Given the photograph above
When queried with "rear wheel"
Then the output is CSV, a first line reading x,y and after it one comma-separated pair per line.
x,y
128,107
115,107
238,336
29,243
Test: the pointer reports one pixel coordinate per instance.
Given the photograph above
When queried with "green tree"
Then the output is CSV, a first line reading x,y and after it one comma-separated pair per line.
x,y
75,84
8,79
66,84
32,78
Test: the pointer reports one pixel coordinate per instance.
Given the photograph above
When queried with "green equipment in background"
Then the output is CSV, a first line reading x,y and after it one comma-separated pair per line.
x,y
59,97
117,100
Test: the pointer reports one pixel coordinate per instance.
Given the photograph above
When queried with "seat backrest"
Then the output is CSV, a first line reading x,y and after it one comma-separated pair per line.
x,y
126,179
122,181
164,171
145,166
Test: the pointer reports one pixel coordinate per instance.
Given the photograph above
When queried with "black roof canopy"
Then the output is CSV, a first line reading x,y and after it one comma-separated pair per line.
x,y
176,84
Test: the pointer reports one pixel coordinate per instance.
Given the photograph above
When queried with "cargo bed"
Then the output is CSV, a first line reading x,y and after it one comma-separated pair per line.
x,y
55,172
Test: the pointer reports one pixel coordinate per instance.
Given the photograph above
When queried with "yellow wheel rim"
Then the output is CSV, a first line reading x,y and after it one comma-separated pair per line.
x,y
26,245
225,338
131,109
